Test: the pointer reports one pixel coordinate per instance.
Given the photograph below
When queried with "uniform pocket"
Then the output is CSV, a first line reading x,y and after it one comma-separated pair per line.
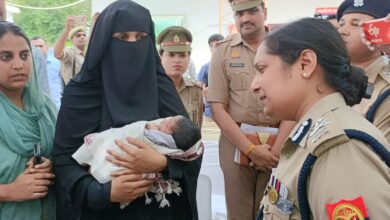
x,y
239,79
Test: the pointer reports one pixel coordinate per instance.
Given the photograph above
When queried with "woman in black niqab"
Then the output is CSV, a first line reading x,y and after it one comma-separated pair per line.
x,y
120,82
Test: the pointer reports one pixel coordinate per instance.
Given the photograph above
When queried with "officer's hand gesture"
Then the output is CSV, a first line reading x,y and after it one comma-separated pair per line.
x,y
262,158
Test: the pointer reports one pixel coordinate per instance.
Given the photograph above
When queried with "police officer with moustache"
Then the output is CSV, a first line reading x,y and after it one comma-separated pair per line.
x,y
232,102
376,65
175,51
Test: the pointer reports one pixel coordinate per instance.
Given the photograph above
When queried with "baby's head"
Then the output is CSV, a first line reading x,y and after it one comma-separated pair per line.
x,y
184,132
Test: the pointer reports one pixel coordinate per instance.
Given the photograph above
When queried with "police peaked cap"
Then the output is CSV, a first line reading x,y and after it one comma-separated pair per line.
x,y
374,8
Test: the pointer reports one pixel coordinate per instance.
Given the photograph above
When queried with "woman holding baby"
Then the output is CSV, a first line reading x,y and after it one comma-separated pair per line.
x,y
121,81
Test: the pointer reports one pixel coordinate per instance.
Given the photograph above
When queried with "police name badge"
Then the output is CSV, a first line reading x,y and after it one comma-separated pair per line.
x,y
240,65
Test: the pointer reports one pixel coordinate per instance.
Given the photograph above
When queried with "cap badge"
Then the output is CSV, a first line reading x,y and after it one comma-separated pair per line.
x,y
358,3
176,39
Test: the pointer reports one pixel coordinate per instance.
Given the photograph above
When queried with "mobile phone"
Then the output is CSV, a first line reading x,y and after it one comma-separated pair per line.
x,y
37,154
377,31
80,20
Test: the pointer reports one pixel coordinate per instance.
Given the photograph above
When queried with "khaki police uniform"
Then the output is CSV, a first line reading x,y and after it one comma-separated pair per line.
x,y
230,76
190,93
73,58
346,169
178,39
378,74
71,63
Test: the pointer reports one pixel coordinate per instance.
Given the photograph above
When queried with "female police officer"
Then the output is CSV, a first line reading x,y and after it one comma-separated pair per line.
x,y
300,79
175,51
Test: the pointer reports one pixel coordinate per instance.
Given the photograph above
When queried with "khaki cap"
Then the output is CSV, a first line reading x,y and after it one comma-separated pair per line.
x,y
175,39
76,30
244,5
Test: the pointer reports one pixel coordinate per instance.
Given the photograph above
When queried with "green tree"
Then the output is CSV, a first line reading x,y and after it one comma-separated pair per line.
x,y
48,23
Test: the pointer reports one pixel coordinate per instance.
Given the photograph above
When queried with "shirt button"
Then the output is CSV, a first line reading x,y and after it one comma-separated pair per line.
x,y
288,155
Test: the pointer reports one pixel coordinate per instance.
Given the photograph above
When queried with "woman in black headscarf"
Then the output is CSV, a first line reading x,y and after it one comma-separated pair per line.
x,y
121,81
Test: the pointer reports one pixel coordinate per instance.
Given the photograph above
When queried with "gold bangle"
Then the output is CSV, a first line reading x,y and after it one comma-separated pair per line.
x,y
249,149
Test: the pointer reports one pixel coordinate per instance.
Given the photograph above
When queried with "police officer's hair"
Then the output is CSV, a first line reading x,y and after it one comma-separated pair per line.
x,y
215,37
38,38
186,134
321,37
8,27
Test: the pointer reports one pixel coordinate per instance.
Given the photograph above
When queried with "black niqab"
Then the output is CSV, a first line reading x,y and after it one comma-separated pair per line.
x,y
120,82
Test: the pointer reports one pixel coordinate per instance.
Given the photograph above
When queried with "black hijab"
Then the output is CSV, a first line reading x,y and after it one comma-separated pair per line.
x,y
119,83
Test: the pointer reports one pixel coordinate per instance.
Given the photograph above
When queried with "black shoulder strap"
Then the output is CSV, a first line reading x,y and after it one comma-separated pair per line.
x,y
74,66
372,110
375,145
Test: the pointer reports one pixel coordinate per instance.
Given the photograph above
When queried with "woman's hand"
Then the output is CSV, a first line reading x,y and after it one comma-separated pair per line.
x,y
44,167
139,159
127,186
262,158
29,185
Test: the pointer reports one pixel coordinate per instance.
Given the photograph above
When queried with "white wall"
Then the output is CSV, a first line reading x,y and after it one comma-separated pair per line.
x,y
281,11
202,16
11,10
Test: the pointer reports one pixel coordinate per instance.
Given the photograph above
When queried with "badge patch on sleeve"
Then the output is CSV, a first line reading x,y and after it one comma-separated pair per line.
x,y
348,209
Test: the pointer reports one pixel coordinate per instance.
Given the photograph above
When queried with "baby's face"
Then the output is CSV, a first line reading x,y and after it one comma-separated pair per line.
x,y
166,126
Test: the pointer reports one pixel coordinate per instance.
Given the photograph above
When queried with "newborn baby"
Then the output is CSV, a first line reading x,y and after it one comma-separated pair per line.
x,y
176,137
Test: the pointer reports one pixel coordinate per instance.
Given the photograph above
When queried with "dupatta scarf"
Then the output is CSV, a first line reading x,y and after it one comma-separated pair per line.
x,y
20,130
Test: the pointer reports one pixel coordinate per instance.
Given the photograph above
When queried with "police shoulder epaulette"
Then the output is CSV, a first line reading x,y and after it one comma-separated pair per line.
x,y
196,83
325,134
227,39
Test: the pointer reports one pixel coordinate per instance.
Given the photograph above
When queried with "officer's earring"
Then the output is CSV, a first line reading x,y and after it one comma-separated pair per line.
x,y
305,75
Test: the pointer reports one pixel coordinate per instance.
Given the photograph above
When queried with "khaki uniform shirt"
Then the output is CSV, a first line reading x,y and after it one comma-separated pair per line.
x,y
345,168
230,76
71,63
191,95
378,74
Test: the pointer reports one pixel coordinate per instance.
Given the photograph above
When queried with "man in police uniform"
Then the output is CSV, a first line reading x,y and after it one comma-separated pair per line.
x,y
71,58
376,65
175,51
232,102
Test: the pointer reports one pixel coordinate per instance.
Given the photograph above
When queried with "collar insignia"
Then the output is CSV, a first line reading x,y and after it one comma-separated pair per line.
x,y
301,132
320,128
